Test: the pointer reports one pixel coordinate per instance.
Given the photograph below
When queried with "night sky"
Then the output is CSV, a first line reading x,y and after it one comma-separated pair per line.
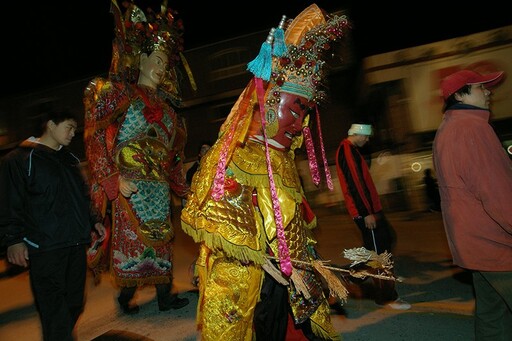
x,y
54,42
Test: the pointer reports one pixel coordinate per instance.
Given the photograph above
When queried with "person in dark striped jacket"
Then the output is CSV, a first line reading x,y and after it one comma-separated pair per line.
x,y
364,206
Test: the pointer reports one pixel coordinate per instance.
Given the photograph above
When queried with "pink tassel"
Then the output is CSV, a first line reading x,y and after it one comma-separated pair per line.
x,y
324,158
220,174
310,148
284,252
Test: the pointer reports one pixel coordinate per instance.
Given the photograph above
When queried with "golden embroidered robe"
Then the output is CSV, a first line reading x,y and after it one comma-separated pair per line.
x,y
238,233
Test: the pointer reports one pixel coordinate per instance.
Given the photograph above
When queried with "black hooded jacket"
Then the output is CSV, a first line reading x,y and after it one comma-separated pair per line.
x,y
44,199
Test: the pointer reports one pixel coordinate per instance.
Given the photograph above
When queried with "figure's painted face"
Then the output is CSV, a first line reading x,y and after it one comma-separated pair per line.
x,y
290,114
153,68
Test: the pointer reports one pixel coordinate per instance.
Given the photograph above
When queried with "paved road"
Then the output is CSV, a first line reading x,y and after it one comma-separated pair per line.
x,y
441,294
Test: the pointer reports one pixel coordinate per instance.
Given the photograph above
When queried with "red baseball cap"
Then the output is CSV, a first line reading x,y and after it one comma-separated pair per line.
x,y
455,81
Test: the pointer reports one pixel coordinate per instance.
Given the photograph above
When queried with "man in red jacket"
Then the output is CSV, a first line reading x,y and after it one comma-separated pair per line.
x,y
474,175
363,205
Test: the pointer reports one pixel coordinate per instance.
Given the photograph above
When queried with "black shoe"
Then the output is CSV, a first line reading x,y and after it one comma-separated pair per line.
x,y
127,308
174,302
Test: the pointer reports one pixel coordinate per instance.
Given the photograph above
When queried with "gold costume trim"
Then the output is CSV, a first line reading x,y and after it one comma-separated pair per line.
x,y
230,224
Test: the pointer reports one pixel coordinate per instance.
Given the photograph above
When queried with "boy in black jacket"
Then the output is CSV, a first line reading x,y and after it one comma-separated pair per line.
x,y
46,220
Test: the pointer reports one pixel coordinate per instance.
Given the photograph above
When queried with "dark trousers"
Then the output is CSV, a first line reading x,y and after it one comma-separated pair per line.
x,y
493,313
380,239
163,293
272,315
58,282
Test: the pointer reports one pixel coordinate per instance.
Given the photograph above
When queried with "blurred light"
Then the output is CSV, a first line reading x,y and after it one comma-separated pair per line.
x,y
416,167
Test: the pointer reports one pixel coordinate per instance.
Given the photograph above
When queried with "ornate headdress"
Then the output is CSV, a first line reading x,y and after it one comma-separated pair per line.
x,y
296,61
138,31
290,60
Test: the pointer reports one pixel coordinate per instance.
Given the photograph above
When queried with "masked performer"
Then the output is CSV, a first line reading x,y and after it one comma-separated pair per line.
x,y
247,208
134,145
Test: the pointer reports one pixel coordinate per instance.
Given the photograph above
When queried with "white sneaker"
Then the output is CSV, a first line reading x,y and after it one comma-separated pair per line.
x,y
399,304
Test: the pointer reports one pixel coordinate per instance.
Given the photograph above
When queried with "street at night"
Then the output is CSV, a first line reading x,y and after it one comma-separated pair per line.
x,y
440,294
